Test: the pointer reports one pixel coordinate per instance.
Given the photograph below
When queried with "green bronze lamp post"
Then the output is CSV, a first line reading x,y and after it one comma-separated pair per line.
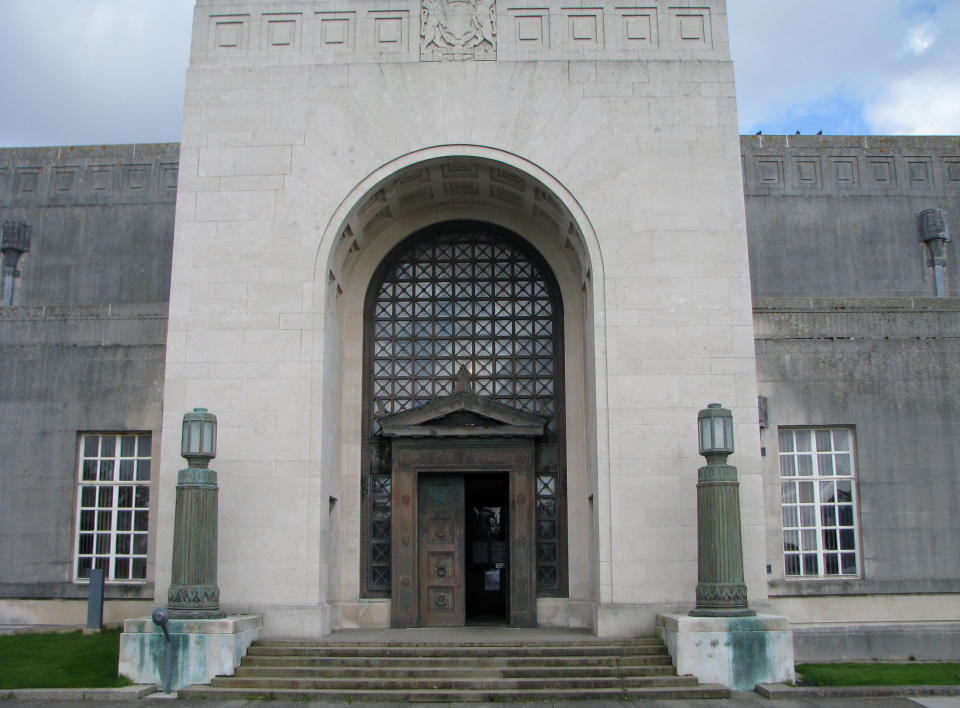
x,y
721,591
193,592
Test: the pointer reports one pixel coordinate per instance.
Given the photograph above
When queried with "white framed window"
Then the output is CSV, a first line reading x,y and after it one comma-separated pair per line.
x,y
818,498
113,505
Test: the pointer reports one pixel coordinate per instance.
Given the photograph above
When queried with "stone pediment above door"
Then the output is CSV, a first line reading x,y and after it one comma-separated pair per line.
x,y
462,414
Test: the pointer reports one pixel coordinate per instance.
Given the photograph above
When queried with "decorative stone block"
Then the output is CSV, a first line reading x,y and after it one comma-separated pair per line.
x,y
389,30
202,648
846,171
282,31
736,652
638,26
691,26
531,27
229,33
584,27
335,31
883,170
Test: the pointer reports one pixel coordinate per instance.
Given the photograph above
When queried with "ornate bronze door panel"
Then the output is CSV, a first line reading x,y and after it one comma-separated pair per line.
x,y
440,525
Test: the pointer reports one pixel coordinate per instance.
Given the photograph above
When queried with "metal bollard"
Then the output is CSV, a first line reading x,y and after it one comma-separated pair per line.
x,y
95,600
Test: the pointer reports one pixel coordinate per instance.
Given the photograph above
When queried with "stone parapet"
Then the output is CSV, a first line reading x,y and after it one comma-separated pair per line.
x,y
329,32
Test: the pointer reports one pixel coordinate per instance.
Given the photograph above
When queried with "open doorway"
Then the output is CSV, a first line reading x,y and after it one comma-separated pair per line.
x,y
487,548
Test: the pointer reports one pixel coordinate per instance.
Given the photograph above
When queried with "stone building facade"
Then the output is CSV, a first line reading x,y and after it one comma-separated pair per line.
x,y
370,196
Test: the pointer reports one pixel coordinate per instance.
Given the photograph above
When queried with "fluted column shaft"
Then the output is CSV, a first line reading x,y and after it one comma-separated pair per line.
x,y
193,590
721,591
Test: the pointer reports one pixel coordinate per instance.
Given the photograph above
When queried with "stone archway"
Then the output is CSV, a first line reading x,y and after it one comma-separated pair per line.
x,y
393,205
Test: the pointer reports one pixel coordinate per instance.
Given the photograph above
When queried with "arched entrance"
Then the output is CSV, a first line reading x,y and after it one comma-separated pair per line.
x,y
472,299
512,200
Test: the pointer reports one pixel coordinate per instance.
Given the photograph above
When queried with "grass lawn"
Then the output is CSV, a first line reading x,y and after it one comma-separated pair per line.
x,y
909,674
52,660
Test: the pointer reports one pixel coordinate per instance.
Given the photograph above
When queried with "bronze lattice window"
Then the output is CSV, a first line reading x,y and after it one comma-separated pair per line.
x,y
463,294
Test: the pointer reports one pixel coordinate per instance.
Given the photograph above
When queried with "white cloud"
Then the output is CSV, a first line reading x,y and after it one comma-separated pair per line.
x,y
926,103
920,39
881,66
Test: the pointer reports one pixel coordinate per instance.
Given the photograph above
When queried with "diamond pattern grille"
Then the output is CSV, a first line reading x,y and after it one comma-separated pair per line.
x,y
462,298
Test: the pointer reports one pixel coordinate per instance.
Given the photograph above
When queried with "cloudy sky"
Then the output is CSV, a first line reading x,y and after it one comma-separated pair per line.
x,y
111,71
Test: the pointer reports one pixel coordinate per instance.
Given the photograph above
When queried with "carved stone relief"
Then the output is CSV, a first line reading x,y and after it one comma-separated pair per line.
x,y
458,30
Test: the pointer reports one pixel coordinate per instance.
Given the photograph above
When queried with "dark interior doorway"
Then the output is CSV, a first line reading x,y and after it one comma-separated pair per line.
x,y
487,549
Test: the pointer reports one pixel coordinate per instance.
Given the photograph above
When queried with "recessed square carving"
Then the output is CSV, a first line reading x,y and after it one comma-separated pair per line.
x,y
807,171
507,177
135,177
228,33
531,27
64,180
882,170
920,172
335,31
282,31
100,178
638,25
26,180
769,171
168,176
952,170
389,30
845,171
459,169
584,26
691,26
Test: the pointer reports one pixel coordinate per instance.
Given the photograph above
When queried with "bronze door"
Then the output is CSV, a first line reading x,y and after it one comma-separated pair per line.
x,y
440,524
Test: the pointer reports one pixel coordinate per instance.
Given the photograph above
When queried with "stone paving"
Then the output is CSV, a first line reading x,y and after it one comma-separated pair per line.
x,y
739,700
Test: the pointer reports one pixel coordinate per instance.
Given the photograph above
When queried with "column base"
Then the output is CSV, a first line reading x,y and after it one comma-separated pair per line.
x,y
201,648
736,652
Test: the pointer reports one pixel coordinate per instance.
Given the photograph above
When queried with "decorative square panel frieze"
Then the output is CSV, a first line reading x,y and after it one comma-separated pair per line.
x,y
638,26
584,27
63,180
882,170
335,31
531,27
691,27
845,171
769,170
136,178
229,33
26,181
951,168
100,178
282,31
806,172
390,30
920,172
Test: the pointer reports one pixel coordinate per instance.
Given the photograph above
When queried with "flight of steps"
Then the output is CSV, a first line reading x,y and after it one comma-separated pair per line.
x,y
588,669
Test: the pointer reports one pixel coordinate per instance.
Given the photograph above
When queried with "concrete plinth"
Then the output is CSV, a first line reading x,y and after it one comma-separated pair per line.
x,y
202,648
737,652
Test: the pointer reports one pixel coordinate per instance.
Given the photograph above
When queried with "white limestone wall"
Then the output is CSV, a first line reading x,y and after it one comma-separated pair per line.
x,y
638,138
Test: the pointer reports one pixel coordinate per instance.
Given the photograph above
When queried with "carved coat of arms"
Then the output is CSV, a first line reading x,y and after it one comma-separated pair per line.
x,y
458,30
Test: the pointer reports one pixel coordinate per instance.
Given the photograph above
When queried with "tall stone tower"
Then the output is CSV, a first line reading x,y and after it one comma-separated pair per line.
x,y
377,194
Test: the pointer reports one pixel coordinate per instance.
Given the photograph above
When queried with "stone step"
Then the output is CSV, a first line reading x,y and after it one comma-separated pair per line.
x,y
374,673
435,650
709,691
585,641
452,684
455,661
